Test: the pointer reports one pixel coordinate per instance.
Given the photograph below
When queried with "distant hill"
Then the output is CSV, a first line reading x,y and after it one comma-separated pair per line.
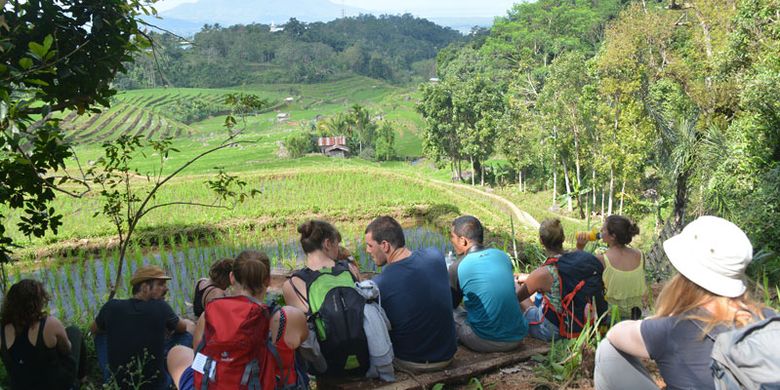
x,y
189,17
395,48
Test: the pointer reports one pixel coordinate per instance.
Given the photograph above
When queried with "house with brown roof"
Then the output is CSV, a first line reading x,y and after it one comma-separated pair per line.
x,y
333,146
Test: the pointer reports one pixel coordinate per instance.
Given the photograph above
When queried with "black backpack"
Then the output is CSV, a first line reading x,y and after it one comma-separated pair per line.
x,y
336,314
579,274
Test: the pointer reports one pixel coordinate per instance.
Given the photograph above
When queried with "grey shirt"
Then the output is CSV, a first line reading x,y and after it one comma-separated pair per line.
x,y
681,351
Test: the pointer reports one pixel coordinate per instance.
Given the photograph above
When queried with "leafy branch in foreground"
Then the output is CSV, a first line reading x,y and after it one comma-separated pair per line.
x,y
128,195
55,56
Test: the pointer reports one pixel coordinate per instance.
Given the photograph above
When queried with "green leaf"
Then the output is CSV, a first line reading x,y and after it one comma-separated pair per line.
x,y
36,49
47,42
25,63
37,82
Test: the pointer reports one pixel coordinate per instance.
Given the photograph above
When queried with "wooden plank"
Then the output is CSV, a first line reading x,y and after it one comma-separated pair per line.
x,y
467,364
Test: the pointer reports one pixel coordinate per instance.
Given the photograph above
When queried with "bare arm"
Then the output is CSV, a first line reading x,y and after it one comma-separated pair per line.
x,y
539,280
53,329
197,335
627,337
184,325
582,240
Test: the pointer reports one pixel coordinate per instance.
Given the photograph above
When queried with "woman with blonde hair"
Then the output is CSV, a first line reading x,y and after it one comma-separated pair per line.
x,y
706,297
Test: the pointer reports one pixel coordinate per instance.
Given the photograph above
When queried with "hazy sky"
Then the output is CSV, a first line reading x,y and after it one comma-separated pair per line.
x,y
419,7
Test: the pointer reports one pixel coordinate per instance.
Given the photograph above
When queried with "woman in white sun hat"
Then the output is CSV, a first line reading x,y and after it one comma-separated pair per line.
x,y
709,292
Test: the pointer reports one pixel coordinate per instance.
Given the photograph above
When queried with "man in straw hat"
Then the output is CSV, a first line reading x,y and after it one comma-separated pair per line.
x,y
707,296
140,329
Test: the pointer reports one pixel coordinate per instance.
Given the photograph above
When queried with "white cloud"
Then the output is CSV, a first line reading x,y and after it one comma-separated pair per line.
x,y
418,7
163,5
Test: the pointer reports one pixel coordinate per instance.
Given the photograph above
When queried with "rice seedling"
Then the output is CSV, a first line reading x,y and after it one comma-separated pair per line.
x,y
79,287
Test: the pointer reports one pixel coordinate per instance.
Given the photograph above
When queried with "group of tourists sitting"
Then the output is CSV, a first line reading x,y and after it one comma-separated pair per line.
x,y
409,317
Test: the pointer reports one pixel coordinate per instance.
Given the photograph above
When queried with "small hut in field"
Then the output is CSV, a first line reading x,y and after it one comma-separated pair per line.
x,y
333,146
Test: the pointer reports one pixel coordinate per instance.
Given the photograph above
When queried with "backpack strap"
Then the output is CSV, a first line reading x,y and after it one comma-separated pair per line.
x,y
341,266
566,303
280,382
204,384
251,376
307,276
3,347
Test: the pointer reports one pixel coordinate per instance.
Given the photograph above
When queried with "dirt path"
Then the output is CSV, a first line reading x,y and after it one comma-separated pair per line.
x,y
521,216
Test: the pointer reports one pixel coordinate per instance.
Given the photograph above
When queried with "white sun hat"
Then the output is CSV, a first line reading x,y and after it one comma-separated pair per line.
x,y
713,253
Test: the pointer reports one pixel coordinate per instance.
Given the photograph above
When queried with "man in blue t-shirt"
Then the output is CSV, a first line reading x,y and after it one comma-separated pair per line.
x,y
415,295
492,320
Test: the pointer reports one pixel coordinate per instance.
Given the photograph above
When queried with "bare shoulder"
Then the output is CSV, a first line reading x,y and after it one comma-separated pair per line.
x,y
53,324
53,330
294,314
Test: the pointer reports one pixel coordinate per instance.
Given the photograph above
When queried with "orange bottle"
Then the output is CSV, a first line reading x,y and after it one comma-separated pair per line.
x,y
593,235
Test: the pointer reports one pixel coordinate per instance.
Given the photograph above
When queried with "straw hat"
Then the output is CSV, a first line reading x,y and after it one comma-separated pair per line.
x,y
150,272
713,253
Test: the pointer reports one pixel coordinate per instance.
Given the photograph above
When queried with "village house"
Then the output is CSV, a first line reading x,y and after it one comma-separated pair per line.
x,y
334,146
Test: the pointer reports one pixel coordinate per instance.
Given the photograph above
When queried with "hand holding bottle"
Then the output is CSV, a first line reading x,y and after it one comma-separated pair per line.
x,y
584,237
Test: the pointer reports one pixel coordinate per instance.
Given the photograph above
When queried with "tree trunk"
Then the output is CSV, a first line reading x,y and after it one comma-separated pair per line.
x,y
611,189
471,158
454,170
578,170
555,185
622,195
520,180
603,192
118,279
568,186
681,199
593,187
482,174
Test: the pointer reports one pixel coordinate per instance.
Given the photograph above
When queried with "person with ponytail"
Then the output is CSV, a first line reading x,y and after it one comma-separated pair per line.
x,y
707,296
250,277
624,268
320,242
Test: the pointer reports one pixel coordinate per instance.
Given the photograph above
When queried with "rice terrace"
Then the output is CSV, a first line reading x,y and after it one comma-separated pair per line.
x,y
178,133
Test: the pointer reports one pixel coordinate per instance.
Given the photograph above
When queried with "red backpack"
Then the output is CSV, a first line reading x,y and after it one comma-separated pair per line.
x,y
237,340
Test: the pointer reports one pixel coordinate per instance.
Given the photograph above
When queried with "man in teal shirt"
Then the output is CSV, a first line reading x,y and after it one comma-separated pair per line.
x,y
492,320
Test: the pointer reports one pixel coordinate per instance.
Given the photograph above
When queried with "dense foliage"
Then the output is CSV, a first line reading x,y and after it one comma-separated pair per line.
x,y
393,48
369,137
656,105
54,56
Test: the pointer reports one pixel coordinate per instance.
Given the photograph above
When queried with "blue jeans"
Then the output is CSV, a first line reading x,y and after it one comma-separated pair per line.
x,y
544,330
101,348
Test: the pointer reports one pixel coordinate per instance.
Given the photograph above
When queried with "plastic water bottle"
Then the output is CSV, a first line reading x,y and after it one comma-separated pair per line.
x,y
593,235
449,259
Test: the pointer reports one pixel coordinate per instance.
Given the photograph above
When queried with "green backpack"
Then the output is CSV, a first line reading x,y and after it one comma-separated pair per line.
x,y
336,314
